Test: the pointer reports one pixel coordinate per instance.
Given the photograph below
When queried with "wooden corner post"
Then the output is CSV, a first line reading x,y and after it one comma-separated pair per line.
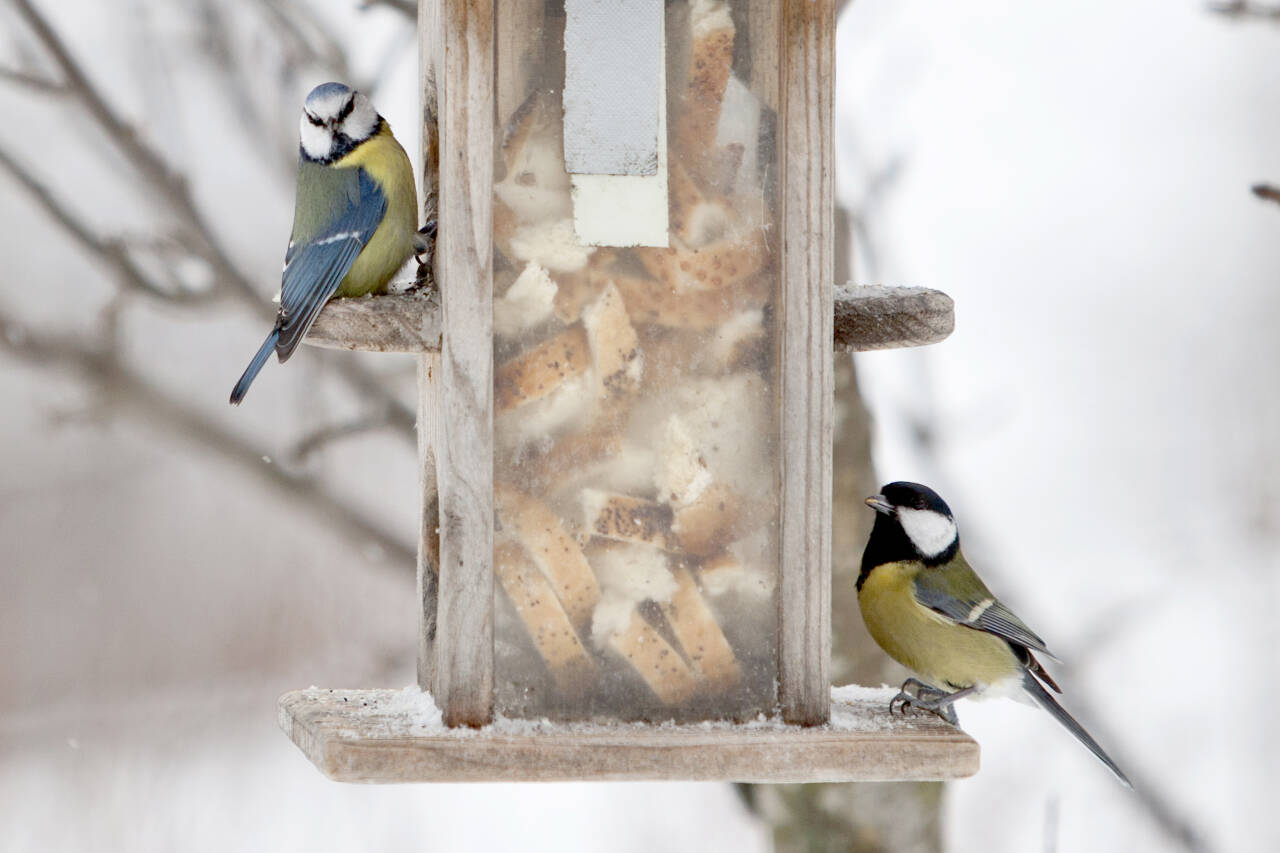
x,y
458,35
805,371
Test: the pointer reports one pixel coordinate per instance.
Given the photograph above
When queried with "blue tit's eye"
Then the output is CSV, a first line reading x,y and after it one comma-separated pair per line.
x,y
317,122
346,110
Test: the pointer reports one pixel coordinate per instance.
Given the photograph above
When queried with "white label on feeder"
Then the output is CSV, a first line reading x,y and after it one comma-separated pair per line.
x,y
615,137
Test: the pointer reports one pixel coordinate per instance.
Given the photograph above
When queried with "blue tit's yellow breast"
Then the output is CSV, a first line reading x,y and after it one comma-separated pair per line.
x,y
382,158
938,650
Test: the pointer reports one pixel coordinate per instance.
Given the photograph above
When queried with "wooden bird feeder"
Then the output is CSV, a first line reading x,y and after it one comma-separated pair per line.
x,y
625,413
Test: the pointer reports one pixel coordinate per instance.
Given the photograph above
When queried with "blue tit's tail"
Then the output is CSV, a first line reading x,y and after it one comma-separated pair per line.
x,y
1060,714
251,372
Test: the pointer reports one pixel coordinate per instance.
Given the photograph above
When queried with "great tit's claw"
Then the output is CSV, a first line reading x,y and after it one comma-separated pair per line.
x,y
928,698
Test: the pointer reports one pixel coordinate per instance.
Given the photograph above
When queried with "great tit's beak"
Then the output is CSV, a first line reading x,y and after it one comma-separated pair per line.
x,y
879,504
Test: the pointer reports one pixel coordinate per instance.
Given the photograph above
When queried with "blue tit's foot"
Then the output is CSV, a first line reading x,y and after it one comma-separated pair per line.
x,y
424,241
917,694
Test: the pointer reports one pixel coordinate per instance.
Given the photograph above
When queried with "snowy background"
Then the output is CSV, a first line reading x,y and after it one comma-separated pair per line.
x,y
1103,422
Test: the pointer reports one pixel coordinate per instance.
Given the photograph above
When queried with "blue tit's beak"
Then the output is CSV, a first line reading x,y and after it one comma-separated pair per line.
x,y
879,504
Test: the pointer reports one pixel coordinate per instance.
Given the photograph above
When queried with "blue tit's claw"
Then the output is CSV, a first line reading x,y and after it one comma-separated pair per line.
x,y
424,242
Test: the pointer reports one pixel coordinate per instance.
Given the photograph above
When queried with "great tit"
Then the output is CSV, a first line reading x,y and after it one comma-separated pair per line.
x,y
354,218
931,612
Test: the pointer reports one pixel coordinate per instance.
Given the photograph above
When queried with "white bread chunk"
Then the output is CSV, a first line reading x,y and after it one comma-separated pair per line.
x,y
528,302
682,474
551,244
616,357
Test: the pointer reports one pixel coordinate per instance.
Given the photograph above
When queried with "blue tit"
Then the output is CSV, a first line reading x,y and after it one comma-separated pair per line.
x,y
354,218
931,612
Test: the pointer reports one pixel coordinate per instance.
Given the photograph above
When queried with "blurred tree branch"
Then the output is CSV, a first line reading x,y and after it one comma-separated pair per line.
x,y
100,368
1266,192
1244,9
406,7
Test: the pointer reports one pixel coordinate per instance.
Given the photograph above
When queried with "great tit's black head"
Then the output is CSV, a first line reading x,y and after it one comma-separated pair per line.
x,y
335,119
914,516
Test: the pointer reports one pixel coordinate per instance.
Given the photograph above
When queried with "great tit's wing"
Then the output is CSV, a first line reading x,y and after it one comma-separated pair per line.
x,y
955,591
338,211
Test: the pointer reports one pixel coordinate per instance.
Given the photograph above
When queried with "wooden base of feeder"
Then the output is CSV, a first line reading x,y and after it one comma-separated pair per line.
x,y
397,736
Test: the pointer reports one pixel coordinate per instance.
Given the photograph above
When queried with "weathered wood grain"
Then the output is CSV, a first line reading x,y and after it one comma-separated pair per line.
x,y
462,44
872,318
399,323
367,736
866,318
428,367
807,59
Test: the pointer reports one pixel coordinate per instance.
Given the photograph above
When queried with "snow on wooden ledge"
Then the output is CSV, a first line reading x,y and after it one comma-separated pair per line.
x,y
398,736
866,318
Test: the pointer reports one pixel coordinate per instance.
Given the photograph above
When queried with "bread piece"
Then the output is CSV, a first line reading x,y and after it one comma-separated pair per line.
x,y
624,518
711,266
616,355
710,61
700,637
656,661
555,552
552,244
535,187
728,574
652,301
538,372
549,626
526,304
707,524
682,474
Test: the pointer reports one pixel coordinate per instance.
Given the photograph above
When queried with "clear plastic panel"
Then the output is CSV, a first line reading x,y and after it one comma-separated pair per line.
x,y
635,400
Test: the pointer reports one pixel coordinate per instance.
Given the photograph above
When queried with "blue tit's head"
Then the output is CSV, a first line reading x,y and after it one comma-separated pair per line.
x,y
922,515
335,119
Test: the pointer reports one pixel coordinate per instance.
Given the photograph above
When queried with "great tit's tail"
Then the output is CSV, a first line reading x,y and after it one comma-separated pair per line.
x,y
1046,701
251,372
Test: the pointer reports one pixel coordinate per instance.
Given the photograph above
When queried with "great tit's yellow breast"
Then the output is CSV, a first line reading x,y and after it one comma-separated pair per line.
x,y
385,162
935,648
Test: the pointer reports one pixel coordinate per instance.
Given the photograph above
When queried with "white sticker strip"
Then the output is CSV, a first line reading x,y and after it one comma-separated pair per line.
x,y
613,62
626,209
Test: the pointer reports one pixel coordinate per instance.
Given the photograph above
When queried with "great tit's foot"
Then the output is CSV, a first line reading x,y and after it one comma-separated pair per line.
x,y
917,694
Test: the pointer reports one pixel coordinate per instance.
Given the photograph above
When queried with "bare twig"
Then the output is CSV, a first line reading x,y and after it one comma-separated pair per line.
x,y
114,253
1244,9
1266,192
336,432
35,82
406,7
102,370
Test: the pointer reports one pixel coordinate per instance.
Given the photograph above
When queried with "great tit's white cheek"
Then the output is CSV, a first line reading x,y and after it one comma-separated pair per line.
x,y
931,532
317,142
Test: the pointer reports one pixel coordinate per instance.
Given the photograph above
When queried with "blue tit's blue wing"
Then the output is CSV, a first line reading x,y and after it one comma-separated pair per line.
x,y
955,591
321,253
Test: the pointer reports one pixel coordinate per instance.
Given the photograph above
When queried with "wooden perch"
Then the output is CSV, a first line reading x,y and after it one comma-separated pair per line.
x,y
384,736
866,318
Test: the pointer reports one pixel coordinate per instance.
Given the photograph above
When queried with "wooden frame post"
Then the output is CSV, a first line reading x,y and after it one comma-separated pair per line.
x,y
806,57
460,40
